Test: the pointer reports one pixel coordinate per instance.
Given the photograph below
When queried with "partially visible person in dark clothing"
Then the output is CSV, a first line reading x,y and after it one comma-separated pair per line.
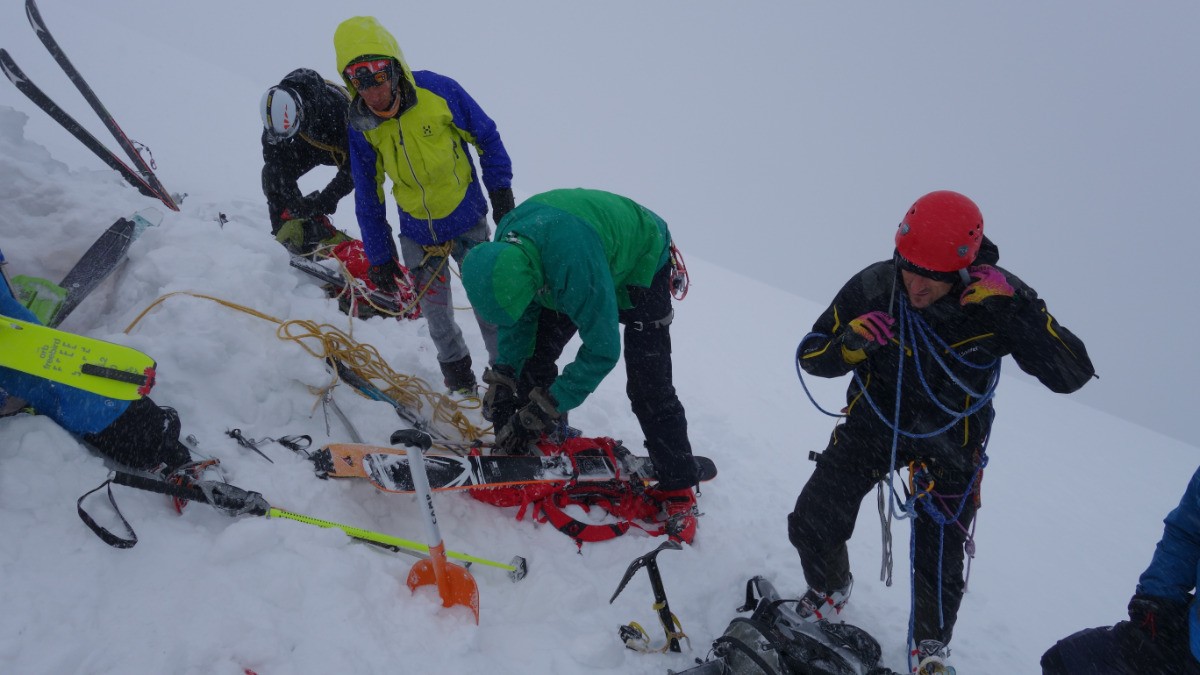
x,y
304,126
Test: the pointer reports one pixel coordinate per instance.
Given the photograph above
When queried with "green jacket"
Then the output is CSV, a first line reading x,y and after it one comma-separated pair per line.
x,y
571,251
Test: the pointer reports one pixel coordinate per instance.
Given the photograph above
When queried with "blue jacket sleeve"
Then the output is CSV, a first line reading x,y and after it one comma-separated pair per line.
x,y
469,117
1175,569
369,208
11,307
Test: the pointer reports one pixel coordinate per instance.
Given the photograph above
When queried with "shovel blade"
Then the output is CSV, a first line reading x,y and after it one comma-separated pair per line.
x,y
455,584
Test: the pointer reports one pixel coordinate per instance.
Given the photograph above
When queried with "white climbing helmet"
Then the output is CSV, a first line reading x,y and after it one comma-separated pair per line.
x,y
280,110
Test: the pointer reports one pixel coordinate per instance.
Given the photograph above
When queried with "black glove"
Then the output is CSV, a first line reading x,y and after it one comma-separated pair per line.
x,y
1157,632
316,203
537,417
502,203
384,276
500,401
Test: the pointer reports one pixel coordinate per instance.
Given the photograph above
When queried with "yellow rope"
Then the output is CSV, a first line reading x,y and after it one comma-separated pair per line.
x,y
324,341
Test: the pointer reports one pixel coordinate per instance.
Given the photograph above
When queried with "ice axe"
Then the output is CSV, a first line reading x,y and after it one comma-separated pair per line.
x,y
632,634
455,584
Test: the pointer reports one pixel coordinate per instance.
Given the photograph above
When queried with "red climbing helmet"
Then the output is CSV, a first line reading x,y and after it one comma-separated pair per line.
x,y
941,232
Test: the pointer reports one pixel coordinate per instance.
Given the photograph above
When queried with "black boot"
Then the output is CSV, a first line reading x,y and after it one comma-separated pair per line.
x,y
458,377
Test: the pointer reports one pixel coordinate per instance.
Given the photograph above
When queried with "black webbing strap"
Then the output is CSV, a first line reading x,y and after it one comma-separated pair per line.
x,y
142,483
106,536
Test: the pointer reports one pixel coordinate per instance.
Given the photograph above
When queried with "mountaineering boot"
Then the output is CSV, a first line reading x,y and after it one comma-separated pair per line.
x,y
459,378
817,605
679,512
931,658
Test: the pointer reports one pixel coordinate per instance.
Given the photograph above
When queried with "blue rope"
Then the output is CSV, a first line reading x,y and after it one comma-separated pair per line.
x,y
800,374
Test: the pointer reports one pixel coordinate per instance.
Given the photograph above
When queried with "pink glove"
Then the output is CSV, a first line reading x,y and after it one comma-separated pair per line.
x,y
989,282
869,331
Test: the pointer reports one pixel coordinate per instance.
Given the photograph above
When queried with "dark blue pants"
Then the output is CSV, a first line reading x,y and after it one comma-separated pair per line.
x,y
1116,650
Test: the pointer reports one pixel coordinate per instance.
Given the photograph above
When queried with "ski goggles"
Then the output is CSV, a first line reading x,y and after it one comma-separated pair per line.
x,y
367,74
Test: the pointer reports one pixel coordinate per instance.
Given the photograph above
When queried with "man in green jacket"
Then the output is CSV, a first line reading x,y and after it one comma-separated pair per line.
x,y
581,260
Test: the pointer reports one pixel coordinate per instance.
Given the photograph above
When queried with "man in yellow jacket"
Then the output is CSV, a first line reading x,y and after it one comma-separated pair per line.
x,y
413,127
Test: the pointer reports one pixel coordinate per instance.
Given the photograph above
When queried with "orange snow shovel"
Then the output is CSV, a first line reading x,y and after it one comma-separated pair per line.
x,y
455,584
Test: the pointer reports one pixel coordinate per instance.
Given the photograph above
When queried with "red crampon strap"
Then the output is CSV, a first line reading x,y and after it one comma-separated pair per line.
x,y
618,498
354,258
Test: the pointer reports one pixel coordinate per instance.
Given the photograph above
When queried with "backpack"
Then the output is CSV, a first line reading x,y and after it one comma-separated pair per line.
x,y
630,504
774,640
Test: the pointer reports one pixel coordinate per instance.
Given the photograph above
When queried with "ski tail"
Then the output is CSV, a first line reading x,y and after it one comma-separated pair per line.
x,y
39,98
43,33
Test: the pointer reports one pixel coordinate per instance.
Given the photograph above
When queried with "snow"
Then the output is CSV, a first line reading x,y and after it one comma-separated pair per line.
x,y
1073,497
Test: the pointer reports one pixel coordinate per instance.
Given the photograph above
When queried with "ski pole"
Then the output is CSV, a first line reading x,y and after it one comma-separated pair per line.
x,y
237,501
516,570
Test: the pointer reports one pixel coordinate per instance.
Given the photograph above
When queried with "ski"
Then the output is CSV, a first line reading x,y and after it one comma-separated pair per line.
x,y
341,285
43,33
51,302
110,370
41,100
387,468
102,259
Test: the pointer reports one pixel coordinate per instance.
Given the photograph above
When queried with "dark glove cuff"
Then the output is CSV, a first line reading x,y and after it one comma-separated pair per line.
x,y
384,276
852,341
1158,617
502,202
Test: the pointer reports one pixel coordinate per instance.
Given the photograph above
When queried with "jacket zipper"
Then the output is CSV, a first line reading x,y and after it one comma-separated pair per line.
x,y
413,171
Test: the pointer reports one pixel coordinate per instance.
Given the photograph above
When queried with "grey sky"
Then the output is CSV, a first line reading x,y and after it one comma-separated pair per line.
x,y
781,140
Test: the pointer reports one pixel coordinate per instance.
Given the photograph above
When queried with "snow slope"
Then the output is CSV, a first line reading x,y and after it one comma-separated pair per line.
x,y
1073,498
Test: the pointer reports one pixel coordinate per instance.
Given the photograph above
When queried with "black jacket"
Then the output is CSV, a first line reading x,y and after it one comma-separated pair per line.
x,y
321,140
1021,327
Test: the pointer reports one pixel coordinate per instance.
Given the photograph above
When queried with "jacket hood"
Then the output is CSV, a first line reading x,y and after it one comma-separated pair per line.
x,y
361,36
501,280
989,253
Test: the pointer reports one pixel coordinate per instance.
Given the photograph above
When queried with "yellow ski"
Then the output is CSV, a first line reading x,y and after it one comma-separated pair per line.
x,y
104,368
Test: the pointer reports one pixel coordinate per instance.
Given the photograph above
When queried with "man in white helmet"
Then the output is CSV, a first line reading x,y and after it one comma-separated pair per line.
x,y
304,126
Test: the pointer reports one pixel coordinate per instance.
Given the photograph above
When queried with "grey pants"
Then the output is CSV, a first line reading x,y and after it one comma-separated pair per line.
x,y
437,305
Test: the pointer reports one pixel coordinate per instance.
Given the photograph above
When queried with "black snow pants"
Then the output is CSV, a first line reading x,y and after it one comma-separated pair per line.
x,y
648,367
823,521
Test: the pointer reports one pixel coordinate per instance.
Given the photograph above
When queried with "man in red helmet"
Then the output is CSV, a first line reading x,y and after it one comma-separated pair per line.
x,y
928,327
